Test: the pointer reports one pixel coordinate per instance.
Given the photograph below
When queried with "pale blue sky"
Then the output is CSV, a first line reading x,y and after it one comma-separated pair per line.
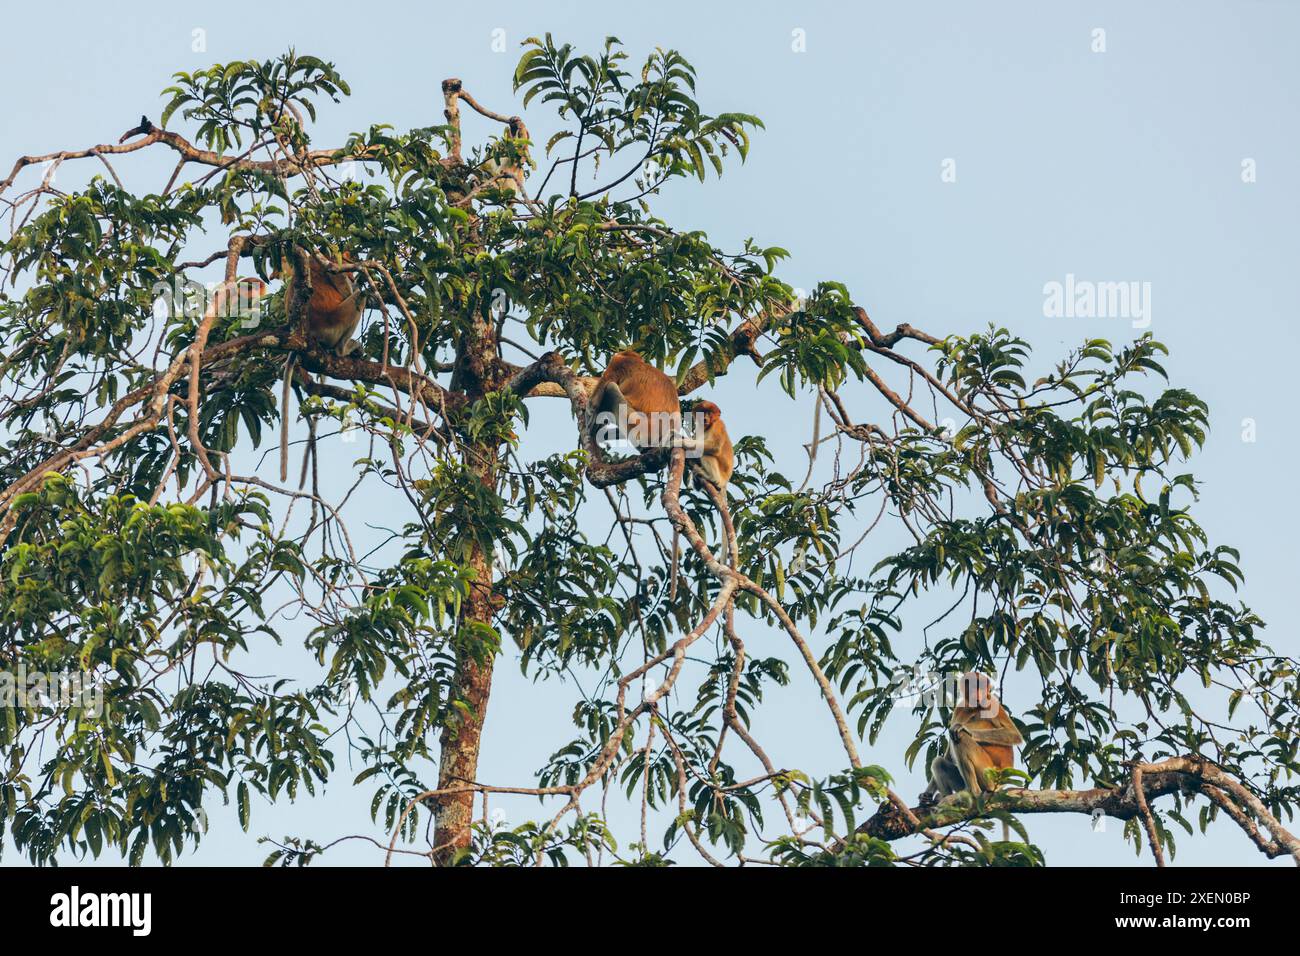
x,y
1122,165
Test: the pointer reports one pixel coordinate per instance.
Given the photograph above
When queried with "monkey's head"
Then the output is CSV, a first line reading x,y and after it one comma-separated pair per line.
x,y
711,413
238,299
977,691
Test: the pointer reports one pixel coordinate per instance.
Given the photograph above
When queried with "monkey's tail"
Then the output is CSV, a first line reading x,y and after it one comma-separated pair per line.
x,y
672,585
284,419
309,453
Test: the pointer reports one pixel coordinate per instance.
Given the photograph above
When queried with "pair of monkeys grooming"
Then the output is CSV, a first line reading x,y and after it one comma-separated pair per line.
x,y
640,403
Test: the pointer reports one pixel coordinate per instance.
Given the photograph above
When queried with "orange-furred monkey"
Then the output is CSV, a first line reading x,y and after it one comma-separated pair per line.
x,y
981,737
717,461
637,401
334,309
333,313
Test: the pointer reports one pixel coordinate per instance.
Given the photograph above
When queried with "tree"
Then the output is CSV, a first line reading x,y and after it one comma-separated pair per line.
x,y
144,545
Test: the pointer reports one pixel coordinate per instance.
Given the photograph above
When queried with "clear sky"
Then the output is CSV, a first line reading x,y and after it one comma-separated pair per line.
x,y
1117,165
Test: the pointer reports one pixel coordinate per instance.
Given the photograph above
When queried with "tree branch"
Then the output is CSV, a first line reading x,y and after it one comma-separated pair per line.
x,y
1189,773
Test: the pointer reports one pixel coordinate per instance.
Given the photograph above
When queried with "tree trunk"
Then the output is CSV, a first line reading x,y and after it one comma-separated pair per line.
x,y
463,734
478,371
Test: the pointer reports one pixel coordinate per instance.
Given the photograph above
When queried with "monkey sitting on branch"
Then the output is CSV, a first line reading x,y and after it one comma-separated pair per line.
x,y
715,464
335,307
981,737
331,316
717,459
636,401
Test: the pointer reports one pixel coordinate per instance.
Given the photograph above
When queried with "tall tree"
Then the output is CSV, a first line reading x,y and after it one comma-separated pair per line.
x,y
145,544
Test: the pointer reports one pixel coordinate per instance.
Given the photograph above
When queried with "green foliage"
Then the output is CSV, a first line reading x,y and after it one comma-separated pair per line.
x,y
1054,519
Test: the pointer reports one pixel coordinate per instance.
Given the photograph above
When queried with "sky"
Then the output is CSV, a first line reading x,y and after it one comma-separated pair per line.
x,y
946,161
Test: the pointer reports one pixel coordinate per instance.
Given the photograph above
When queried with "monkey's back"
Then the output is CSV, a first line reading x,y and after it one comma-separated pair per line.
x,y
645,387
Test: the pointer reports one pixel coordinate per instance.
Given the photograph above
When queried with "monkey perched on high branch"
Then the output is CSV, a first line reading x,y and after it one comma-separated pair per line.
x,y
981,737
636,401
332,314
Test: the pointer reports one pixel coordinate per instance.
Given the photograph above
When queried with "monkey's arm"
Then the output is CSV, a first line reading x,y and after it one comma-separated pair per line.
x,y
997,736
972,761
607,397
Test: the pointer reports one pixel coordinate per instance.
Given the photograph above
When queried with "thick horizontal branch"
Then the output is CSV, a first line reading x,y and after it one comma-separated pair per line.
x,y
325,390
406,380
1188,774
338,366
889,824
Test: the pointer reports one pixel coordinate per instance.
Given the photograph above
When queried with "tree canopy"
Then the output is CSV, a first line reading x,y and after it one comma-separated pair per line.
x,y
146,543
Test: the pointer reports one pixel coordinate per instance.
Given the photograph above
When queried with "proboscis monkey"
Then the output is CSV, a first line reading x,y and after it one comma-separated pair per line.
x,y
981,737
333,313
716,463
636,401
717,460
335,307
